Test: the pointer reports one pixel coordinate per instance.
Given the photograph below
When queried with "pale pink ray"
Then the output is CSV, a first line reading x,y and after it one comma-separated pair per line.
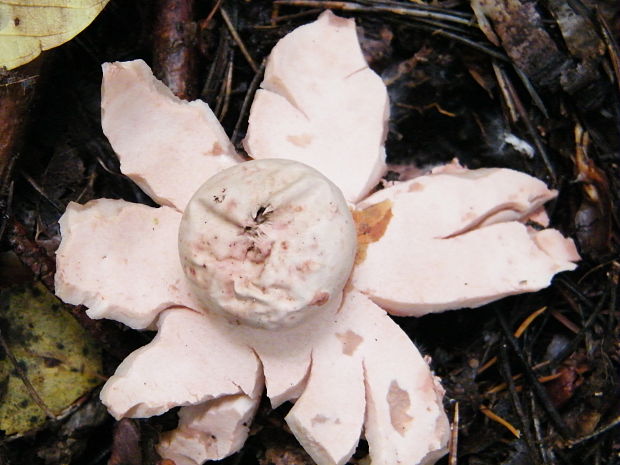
x,y
327,419
211,431
168,146
454,239
285,355
321,105
189,362
405,420
120,259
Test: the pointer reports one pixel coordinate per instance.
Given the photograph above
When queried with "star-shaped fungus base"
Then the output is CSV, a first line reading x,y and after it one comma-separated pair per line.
x,y
449,239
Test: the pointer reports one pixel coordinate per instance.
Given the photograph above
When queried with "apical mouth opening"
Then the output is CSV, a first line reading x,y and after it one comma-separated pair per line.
x,y
262,214
260,217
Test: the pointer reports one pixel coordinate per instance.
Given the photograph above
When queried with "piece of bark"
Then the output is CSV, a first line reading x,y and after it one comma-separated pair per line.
x,y
174,51
579,33
583,79
17,90
126,449
31,254
520,29
285,455
593,218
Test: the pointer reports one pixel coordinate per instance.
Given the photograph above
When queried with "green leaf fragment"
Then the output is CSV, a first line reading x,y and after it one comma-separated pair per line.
x,y
59,359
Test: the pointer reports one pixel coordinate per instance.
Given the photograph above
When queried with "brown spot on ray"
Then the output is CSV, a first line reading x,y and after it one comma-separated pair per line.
x,y
350,341
371,224
399,402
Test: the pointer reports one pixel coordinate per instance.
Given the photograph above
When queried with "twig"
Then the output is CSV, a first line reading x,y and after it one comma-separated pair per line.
x,y
496,418
539,390
615,422
302,14
470,42
24,377
565,321
174,52
572,345
227,88
41,192
416,11
571,287
518,376
531,90
247,101
529,126
223,95
217,70
237,39
516,402
213,11
454,437
542,450
505,93
518,333
438,21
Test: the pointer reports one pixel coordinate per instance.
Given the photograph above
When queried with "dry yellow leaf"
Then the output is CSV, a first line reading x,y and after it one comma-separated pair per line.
x,y
29,26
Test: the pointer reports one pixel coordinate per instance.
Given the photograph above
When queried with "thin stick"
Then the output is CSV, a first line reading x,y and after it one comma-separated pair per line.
x,y
615,422
496,418
454,437
529,126
227,90
41,192
237,39
516,402
532,91
24,377
518,333
538,389
214,10
542,450
572,345
415,11
247,101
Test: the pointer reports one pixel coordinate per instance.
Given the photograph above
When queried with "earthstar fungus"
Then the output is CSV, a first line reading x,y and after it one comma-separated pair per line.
x,y
259,292
268,243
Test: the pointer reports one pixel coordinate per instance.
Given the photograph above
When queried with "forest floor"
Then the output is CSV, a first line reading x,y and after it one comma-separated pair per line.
x,y
532,379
